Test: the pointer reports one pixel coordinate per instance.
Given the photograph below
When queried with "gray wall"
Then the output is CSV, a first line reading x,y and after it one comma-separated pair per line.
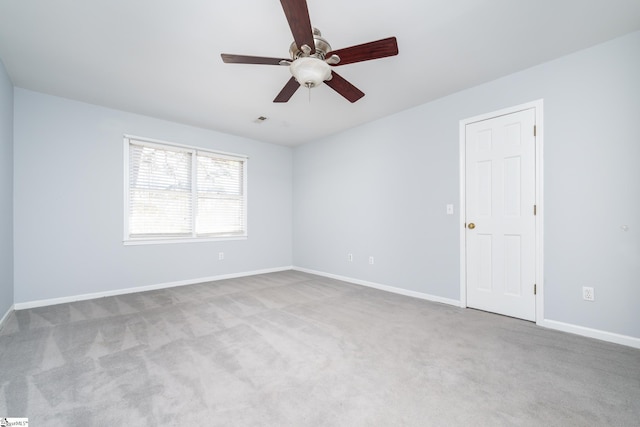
x,y
381,189
6,191
68,162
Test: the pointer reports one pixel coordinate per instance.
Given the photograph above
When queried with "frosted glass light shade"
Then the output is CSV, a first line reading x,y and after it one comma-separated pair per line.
x,y
310,71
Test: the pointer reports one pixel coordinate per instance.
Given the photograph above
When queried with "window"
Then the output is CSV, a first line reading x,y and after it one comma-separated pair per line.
x,y
175,192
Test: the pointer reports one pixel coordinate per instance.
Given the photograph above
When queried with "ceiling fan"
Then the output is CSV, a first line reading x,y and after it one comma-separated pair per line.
x,y
312,57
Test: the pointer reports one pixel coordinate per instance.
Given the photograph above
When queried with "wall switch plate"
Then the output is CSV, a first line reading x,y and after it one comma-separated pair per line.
x,y
370,260
449,209
220,256
350,257
588,294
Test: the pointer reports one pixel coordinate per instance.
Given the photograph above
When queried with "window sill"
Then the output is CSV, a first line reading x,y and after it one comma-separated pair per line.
x,y
164,241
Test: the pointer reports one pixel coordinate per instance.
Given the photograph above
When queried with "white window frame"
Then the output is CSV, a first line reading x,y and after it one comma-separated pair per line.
x,y
128,240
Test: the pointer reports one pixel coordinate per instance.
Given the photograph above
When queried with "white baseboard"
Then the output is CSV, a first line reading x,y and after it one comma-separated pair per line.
x,y
62,300
550,324
387,288
6,315
591,333
546,323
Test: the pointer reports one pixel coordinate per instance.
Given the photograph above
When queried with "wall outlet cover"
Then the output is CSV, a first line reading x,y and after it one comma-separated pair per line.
x,y
588,293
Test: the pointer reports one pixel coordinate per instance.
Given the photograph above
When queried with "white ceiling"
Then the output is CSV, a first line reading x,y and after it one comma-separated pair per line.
x,y
162,58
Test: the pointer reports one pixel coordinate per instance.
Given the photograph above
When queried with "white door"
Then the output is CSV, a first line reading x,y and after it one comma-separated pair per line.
x,y
500,222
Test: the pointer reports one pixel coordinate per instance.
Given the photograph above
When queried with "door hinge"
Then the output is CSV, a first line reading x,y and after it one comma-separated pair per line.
x,y
534,130
535,289
535,210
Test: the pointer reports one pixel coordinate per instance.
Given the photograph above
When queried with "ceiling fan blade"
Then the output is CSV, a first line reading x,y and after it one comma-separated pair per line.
x,y
344,88
287,91
297,15
244,59
367,51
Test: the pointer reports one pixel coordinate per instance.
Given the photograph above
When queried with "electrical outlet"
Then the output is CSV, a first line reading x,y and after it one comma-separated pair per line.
x,y
371,260
220,256
350,257
588,294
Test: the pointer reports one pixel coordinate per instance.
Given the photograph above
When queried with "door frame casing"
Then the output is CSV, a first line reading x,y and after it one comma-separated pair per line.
x,y
539,218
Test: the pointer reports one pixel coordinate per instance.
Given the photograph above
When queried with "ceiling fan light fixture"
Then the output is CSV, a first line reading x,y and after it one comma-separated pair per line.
x,y
310,71
312,57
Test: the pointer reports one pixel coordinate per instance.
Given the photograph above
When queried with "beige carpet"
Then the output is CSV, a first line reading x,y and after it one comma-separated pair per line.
x,y
293,349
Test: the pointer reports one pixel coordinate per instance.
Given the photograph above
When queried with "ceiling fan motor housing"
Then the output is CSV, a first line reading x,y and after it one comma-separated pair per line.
x,y
310,69
322,47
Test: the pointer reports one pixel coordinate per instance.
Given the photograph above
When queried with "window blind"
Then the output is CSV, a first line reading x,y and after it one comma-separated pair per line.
x,y
220,186
178,192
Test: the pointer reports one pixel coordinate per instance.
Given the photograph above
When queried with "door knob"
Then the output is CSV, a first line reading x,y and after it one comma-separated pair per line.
x,y
471,226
